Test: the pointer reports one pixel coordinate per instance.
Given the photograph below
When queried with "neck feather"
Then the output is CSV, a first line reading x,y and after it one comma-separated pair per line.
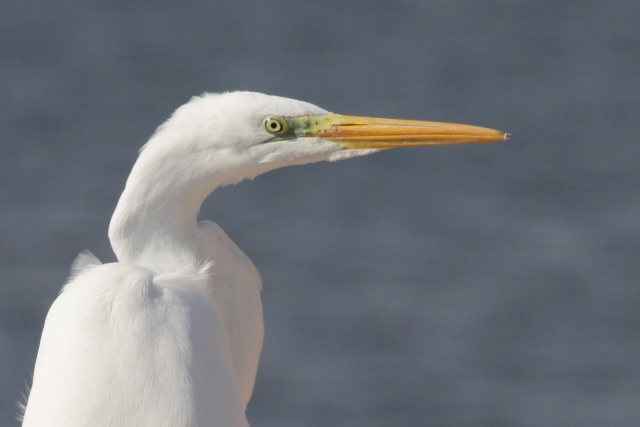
x,y
159,207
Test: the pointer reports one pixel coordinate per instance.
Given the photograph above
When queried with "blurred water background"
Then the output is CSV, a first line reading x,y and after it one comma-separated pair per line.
x,y
488,285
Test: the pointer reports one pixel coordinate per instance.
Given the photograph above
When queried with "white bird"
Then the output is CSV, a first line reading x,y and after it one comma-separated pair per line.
x,y
171,334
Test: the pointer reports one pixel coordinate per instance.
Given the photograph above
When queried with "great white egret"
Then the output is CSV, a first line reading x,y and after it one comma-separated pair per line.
x,y
170,335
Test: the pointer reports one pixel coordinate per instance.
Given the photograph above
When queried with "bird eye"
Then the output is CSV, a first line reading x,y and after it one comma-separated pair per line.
x,y
273,125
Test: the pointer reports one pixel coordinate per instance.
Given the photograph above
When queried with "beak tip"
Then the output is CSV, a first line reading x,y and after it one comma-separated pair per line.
x,y
506,136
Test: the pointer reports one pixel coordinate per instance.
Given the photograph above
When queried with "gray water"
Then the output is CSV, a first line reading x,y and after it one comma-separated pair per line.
x,y
489,285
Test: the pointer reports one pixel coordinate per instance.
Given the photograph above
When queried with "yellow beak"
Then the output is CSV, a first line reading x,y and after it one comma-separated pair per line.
x,y
366,132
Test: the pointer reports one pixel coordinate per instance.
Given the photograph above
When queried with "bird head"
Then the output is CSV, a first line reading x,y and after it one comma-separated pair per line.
x,y
247,133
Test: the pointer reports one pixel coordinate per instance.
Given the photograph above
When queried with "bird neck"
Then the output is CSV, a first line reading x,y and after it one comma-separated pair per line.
x,y
158,209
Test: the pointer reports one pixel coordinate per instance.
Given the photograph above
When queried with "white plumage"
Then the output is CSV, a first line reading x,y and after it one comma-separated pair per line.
x,y
171,334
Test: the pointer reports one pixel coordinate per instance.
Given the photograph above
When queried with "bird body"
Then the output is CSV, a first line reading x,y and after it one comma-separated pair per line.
x,y
171,334
144,349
